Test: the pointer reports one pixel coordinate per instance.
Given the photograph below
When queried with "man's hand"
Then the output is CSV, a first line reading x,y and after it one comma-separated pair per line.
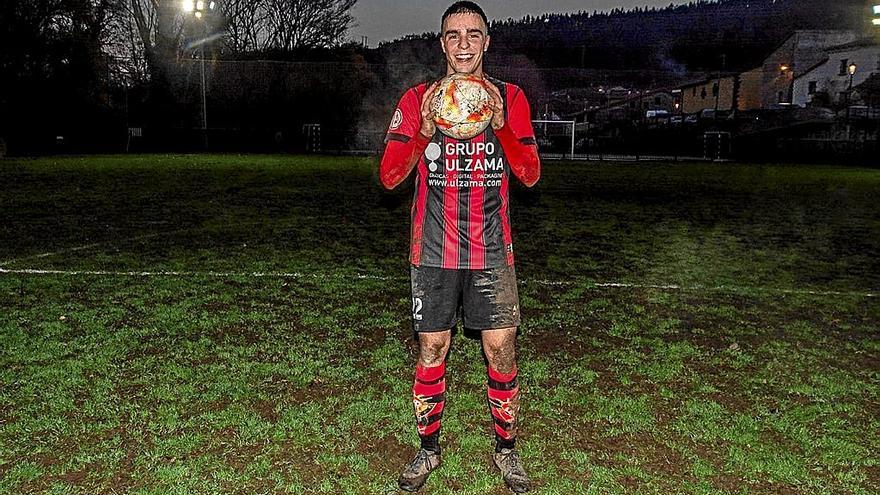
x,y
496,103
428,126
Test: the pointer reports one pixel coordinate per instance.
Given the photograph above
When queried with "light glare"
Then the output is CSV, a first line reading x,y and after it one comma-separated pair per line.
x,y
212,5
198,15
200,5
187,5
876,22
877,10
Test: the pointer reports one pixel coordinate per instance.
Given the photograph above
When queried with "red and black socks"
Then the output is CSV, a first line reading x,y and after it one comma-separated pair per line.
x,y
429,396
503,394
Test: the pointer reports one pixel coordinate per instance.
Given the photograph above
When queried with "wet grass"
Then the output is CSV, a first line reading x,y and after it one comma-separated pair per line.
x,y
300,384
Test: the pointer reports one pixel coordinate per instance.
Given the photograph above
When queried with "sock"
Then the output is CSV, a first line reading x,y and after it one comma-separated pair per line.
x,y
503,395
501,443
429,397
431,442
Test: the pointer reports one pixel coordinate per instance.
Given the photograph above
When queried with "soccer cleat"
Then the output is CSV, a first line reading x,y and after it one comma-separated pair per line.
x,y
512,471
416,472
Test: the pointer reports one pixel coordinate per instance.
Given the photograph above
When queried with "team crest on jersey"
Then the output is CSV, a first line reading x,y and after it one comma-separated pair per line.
x,y
396,120
432,153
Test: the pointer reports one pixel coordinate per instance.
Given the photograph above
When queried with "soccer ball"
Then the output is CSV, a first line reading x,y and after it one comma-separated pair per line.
x,y
461,106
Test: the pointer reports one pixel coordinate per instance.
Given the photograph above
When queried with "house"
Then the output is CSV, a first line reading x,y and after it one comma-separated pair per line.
x,y
748,96
635,108
718,93
800,53
831,78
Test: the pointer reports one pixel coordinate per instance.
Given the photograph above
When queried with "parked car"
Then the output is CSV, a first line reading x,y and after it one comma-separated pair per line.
x,y
656,114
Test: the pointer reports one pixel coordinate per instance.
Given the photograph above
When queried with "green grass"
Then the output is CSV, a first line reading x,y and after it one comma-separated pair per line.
x,y
733,384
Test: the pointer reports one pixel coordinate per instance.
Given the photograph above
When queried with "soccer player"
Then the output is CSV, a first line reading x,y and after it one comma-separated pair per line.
x,y
461,251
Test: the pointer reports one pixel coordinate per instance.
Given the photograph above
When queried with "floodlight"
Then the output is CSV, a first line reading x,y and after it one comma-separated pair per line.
x,y
877,10
200,5
212,5
198,14
876,22
852,69
187,5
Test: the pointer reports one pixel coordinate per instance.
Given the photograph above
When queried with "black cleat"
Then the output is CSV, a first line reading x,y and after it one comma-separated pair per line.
x,y
416,472
512,471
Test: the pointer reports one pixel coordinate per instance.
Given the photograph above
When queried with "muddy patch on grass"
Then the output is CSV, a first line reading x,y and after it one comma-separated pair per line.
x,y
386,454
266,410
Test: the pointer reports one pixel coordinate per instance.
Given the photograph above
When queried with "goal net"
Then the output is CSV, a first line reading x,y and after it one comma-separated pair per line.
x,y
555,138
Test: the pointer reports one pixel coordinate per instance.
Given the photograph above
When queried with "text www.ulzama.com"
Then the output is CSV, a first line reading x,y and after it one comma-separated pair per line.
x,y
463,183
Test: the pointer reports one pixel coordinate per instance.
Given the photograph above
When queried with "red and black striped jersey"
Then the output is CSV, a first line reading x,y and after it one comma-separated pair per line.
x,y
461,208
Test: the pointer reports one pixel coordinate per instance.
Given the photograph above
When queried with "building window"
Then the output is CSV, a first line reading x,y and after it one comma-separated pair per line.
x,y
703,93
811,88
715,89
695,91
844,65
780,97
656,100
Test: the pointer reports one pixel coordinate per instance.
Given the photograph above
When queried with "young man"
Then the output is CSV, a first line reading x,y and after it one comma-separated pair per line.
x,y
462,251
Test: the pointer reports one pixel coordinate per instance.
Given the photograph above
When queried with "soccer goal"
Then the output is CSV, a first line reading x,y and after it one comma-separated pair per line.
x,y
716,145
555,138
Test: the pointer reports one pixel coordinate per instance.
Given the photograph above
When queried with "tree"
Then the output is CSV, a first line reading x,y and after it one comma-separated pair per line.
x,y
159,27
52,66
297,24
869,91
245,25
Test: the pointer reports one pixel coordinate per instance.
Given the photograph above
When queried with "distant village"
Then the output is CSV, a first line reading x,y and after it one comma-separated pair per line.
x,y
820,87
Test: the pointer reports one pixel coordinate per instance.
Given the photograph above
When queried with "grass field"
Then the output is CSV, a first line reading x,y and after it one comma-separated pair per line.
x,y
239,324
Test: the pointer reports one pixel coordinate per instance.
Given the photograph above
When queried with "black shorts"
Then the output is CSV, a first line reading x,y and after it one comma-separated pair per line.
x,y
486,299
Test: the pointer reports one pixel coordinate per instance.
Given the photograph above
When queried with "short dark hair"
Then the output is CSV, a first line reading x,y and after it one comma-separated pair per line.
x,y
464,8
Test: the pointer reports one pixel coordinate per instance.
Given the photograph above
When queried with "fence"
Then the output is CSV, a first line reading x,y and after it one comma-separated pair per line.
x,y
345,107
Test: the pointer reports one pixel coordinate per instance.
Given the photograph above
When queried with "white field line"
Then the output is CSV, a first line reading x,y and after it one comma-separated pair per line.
x,y
188,274
53,253
94,245
116,242
560,283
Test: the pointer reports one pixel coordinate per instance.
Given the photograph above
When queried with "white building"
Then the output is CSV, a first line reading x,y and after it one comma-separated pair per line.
x,y
832,75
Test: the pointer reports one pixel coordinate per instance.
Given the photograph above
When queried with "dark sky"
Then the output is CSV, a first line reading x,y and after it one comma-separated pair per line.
x,y
382,20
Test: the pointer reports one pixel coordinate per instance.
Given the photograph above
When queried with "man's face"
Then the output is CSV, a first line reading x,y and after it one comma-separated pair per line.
x,y
464,41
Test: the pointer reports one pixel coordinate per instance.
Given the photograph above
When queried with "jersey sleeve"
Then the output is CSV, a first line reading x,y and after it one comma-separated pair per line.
x,y
407,119
518,138
404,143
519,115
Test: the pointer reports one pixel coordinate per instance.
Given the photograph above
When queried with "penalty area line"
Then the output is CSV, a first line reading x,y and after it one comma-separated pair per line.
x,y
552,283
724,288
189,274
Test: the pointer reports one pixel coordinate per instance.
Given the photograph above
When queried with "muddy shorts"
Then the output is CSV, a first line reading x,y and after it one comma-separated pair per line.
x,y
485,299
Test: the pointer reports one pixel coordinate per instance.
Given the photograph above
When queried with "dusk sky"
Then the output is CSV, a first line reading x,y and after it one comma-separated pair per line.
x,y
383,20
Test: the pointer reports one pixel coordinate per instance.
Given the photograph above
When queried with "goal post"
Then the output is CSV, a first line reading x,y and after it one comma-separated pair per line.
x,y
555,137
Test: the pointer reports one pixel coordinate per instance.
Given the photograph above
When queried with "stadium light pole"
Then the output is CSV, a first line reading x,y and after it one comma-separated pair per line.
x,y
852,71
786,71
200,10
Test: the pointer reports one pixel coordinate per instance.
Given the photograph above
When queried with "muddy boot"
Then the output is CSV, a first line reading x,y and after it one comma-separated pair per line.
x,y
512,472
416,472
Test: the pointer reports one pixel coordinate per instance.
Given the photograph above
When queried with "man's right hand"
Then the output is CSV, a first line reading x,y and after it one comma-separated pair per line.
x,y
428,126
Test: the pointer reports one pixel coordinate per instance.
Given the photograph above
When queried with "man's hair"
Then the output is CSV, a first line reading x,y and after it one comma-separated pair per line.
x,y
464,8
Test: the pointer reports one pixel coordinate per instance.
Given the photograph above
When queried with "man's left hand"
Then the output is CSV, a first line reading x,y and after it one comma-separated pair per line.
x,y
496,103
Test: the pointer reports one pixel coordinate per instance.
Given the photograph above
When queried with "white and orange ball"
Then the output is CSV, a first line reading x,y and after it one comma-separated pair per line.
x,y
461,106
